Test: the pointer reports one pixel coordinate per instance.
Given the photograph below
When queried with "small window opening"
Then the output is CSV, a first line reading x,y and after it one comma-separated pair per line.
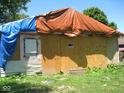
x,y
70,45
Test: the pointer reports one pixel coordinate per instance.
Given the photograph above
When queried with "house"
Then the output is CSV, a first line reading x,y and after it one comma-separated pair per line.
x,y
65,40
121,48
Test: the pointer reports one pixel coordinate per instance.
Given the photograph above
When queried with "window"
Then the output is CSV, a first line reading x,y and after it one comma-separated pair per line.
x,y
70,45
30,46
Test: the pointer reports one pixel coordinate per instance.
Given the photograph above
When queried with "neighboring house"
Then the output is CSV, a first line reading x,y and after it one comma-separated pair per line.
x,y
91,44
121,48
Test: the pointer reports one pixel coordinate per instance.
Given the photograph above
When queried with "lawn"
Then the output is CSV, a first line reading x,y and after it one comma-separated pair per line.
x,y
109,80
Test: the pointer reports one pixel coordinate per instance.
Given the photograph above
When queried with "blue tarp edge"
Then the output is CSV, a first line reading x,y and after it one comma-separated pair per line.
x,y
9,35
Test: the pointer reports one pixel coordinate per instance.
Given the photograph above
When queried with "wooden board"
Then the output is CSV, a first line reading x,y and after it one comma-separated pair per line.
x,y
51,54
95,51
69,50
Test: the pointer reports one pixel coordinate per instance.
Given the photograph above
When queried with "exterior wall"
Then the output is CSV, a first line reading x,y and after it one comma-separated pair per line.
x,y
24,64
62,53
50,47
95,51
112,50
84,52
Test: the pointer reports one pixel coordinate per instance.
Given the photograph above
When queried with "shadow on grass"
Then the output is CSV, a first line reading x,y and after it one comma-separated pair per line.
x,y
16,87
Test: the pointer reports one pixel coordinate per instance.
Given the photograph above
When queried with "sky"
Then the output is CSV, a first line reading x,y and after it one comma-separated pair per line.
x,y
114,9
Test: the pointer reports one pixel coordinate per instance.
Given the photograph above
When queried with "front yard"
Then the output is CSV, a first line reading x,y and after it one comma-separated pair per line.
x,y
109,80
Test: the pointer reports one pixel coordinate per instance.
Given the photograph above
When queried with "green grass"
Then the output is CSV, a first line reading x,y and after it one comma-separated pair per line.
x,y
109,80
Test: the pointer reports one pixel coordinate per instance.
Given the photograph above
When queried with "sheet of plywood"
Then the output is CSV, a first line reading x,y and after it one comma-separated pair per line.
x,y
95,51
70,53
51,54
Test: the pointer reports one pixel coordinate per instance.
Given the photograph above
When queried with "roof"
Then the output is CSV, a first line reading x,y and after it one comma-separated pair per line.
x,y
71,23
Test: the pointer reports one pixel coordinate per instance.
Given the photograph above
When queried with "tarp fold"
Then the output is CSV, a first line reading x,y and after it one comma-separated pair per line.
x,y
70,22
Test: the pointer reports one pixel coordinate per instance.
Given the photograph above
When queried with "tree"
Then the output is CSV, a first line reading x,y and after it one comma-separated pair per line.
x,y
112,25
100,16
17,16
9,9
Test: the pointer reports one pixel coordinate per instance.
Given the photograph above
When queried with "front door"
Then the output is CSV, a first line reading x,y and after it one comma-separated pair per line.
x,y
31,53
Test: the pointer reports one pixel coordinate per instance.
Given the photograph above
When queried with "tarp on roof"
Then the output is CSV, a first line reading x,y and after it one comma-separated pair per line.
x,y
9,34
65,20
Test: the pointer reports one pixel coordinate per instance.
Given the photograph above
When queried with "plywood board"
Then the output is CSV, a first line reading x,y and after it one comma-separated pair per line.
x,y
51,54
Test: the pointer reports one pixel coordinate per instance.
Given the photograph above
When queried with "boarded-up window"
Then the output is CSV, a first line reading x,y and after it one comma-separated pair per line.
x,y
30,46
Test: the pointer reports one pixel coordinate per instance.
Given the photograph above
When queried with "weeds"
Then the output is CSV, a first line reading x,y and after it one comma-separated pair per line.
x,y
96,80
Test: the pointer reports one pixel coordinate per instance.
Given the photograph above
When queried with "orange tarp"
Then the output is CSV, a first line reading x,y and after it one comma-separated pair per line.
x,y
70,22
